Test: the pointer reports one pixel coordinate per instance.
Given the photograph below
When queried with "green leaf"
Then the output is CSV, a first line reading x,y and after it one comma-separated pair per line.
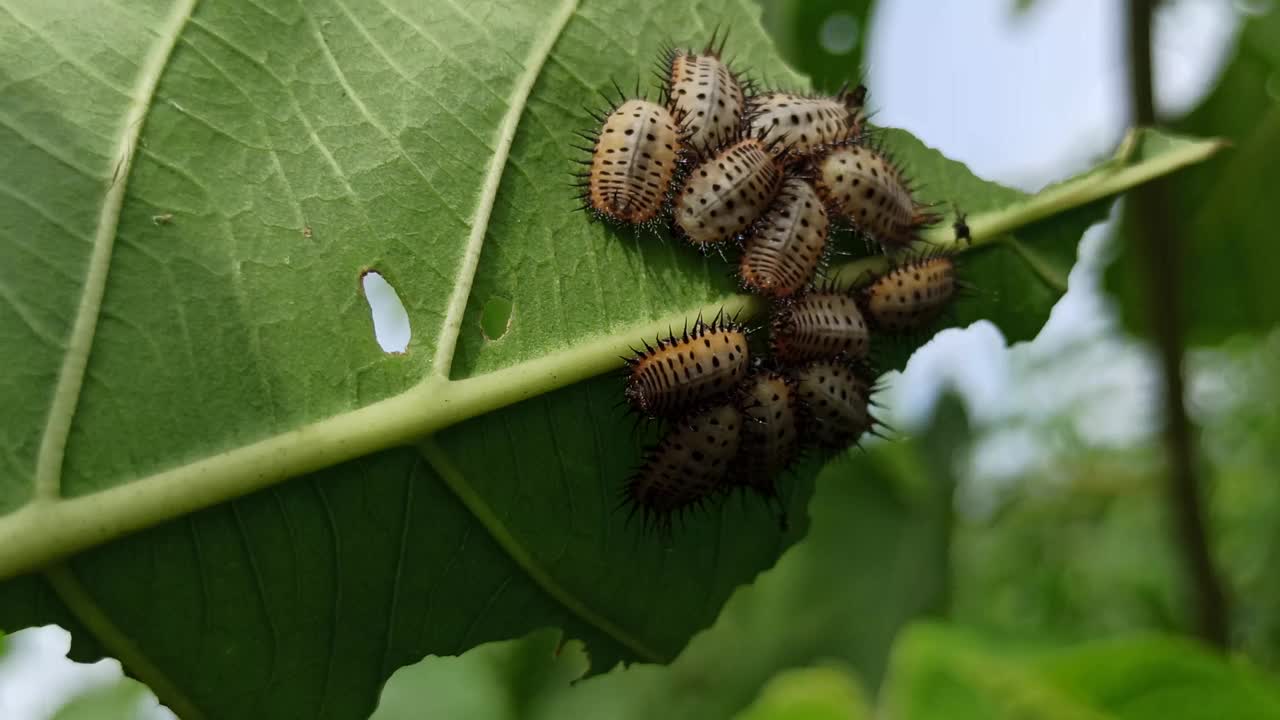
x,y
1223,209
203,188
118,701
493,681
939,671
820,693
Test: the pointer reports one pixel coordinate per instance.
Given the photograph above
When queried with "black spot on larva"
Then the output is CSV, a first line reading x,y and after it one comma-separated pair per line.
x,y
687,467
718,188
875,196
770,432
778,260
654,391
820,325
635,194
797,125
835,406
911,295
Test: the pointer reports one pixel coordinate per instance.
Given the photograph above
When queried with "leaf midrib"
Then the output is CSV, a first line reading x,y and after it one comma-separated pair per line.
x,y
44,531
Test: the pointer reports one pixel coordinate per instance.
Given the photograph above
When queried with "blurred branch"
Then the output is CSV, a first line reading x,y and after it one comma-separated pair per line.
x,y
1158,243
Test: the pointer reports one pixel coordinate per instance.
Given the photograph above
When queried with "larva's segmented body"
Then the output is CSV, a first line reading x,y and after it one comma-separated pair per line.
x,y
770,432
633,162
688,466
796,125
911,295
725,193
835,402
782,255
681,373
707,94
820,325
860,184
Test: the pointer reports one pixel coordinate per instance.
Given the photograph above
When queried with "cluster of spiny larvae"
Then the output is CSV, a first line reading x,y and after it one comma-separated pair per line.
x,y
769,174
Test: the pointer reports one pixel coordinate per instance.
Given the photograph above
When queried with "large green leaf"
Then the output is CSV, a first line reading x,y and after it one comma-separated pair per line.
x,y
191,195
1224,217
943,672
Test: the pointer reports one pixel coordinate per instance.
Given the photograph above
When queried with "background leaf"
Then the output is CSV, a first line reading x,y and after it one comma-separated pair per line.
x,y
820,693
493,681
823,39
1223,214
944,672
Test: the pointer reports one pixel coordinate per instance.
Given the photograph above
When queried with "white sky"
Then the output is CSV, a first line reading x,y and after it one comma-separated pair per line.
x,y
1024,100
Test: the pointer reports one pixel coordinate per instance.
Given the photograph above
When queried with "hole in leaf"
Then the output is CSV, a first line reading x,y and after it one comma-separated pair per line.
x,y
495,318
390,321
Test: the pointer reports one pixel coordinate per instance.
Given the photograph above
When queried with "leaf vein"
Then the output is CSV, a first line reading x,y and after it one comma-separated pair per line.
x,y
391,62
52,150
355,99
38,209
66,394
70,58
453,478
86,609
259,590
448,339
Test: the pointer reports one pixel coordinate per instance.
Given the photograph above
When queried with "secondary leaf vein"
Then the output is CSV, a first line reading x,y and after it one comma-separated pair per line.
x,y
448,339
66,394
452,477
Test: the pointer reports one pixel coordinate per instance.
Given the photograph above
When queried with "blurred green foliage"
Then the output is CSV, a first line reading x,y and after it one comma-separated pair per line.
x,y
818,693
942,672
494,681
1224,207
1085,553
824,39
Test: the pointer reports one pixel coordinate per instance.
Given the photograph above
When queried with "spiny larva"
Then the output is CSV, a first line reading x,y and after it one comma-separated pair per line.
x,y
911,295
726,192
688,465
679,373
703,90
770,433
861,184
819,325
796,125
835,401
782,254
633,161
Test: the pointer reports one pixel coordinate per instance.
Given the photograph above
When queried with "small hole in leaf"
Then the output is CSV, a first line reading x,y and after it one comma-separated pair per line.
x,y
495,318
390,321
